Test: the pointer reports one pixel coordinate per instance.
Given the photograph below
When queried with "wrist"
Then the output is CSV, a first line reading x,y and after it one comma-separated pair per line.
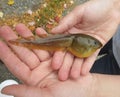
x,y
89,85
106,85
95,87
117,10
101,88
117,4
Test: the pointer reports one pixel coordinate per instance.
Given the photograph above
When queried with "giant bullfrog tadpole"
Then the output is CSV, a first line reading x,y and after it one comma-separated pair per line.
x,y
80,45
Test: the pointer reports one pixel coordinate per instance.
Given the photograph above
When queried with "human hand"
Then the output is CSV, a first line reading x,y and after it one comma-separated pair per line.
x,y
98,18
52,87
30,66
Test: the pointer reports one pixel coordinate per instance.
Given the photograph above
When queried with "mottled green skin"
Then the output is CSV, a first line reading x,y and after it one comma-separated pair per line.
x,y
80,45
84,45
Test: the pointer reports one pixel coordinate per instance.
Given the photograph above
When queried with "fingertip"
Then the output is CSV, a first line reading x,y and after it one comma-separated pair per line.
x,y
75,74
56,64
62,27
5,90
76,68
5,87
15,90
84,72
85,69
19,25
63,76
40,31
7,33
57,59
23,30
58,29
88,63
67,22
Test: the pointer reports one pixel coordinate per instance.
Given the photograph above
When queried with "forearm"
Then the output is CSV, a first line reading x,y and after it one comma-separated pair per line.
x,y
107,85
117,4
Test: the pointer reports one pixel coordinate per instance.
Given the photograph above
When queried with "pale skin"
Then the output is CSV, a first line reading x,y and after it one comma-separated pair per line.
x,y
34,67
41,81
96,18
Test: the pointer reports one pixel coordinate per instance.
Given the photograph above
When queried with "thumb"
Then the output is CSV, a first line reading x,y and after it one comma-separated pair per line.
x,y
22,91
69,20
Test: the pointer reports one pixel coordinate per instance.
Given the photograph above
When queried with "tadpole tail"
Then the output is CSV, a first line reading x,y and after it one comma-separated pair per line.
x,y
50,44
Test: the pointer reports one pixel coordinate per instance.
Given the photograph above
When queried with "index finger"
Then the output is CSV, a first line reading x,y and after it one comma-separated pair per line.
x,y
13,63
26,55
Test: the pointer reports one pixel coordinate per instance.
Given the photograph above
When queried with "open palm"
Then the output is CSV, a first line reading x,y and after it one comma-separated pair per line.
x,y
30,66
52,87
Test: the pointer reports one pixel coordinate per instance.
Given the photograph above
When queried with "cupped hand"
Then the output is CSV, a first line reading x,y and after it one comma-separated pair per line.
x,y
33,68
52,87
30,66
98,18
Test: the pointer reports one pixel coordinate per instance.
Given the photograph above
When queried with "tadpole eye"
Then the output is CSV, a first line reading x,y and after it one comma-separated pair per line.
x,y
95,42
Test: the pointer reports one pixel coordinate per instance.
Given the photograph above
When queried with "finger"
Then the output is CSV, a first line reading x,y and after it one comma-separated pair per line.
x,y
43,69
66,66
25,32
24,54
88,63
42,54
57,60
20,70
76,68
22,91
69,21
14,64
40,32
